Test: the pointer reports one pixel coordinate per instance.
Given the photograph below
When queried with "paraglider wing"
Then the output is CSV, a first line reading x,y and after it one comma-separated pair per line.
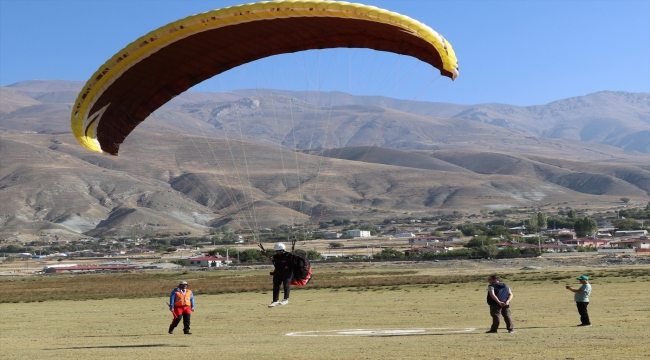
x,y
166,62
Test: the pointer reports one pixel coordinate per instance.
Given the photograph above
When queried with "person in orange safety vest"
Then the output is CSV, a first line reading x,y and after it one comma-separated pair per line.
x,y
181,304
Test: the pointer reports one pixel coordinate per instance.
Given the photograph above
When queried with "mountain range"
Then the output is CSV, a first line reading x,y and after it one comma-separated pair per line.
x,y
259,158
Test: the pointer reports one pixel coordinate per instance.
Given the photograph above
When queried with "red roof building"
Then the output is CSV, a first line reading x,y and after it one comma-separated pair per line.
x,y
587,242
639,243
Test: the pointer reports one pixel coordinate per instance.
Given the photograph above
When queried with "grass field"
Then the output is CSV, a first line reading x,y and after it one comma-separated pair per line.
x,y
235,325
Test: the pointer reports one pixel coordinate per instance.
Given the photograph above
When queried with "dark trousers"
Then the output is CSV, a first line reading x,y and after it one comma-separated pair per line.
x,y
284,279
584,314
496,311
186,322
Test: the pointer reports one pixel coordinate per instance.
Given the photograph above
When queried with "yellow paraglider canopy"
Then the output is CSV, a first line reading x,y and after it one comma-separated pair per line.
x,y
167,61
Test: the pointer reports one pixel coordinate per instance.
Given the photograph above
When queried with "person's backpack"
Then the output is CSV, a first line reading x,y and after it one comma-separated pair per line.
x,y
301,269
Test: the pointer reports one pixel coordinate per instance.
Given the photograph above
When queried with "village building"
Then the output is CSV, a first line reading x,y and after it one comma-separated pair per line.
x,y
332,255
408,234
357,233
631,233
426,240
604,223
87,268
639,243
332,235
208,261
556,248
596,243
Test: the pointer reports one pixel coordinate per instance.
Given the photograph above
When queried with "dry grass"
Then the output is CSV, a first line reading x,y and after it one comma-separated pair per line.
x,y
240,326
147,285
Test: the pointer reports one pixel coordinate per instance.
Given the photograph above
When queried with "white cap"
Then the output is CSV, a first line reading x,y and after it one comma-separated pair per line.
x,y
279,246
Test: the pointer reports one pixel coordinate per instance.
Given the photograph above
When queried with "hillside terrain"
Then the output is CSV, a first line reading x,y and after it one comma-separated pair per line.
x,y
260,158
619,119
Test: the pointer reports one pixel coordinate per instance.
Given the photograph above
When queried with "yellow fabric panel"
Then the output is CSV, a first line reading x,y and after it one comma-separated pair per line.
x,y
154,40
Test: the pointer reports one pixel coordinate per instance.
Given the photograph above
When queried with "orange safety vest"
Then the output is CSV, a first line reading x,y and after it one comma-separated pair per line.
x,y
183,299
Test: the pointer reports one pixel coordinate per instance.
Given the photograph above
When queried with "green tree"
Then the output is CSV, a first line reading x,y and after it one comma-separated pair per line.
x,y
585,226
336,245
533,240
389,253
251,255
13,248
571,214
542,221
532,229
586,249
310,254
222,251
489,251
469,230
625,200
509,251
479,241
626,224
497,230
562,222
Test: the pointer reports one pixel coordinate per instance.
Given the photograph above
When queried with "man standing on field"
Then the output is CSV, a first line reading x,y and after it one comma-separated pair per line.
x,y
581,297
181,304
282,274
499,297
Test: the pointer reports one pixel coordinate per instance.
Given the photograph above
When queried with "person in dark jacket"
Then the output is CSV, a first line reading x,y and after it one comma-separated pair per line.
x,y
499,297
282,274
181,304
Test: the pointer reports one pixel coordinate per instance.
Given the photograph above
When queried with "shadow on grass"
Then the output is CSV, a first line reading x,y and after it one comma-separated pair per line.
x,y
118,346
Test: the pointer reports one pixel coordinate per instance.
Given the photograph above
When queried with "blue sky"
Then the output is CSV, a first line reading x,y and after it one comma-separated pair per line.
x,y
517,52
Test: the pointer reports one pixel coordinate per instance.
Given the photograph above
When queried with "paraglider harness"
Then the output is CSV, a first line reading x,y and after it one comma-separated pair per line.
x,y
300,266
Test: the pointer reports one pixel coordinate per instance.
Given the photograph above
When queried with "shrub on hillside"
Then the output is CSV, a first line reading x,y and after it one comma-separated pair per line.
x,y
509,251
389,253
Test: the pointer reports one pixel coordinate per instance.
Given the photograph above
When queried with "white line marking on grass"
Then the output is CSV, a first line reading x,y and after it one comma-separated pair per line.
x,y
374,332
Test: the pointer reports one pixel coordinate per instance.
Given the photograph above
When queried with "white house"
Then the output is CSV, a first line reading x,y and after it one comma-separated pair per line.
x,y
357,233
425,239
208,261
632,243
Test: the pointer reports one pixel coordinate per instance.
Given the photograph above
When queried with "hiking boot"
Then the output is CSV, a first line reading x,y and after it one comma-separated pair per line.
x,y
584,325
490,332
512,331
187,333
274,304
284,302
171,331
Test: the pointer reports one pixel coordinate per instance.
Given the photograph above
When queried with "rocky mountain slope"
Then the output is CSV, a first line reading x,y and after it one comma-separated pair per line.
x,y
260,158
618,119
